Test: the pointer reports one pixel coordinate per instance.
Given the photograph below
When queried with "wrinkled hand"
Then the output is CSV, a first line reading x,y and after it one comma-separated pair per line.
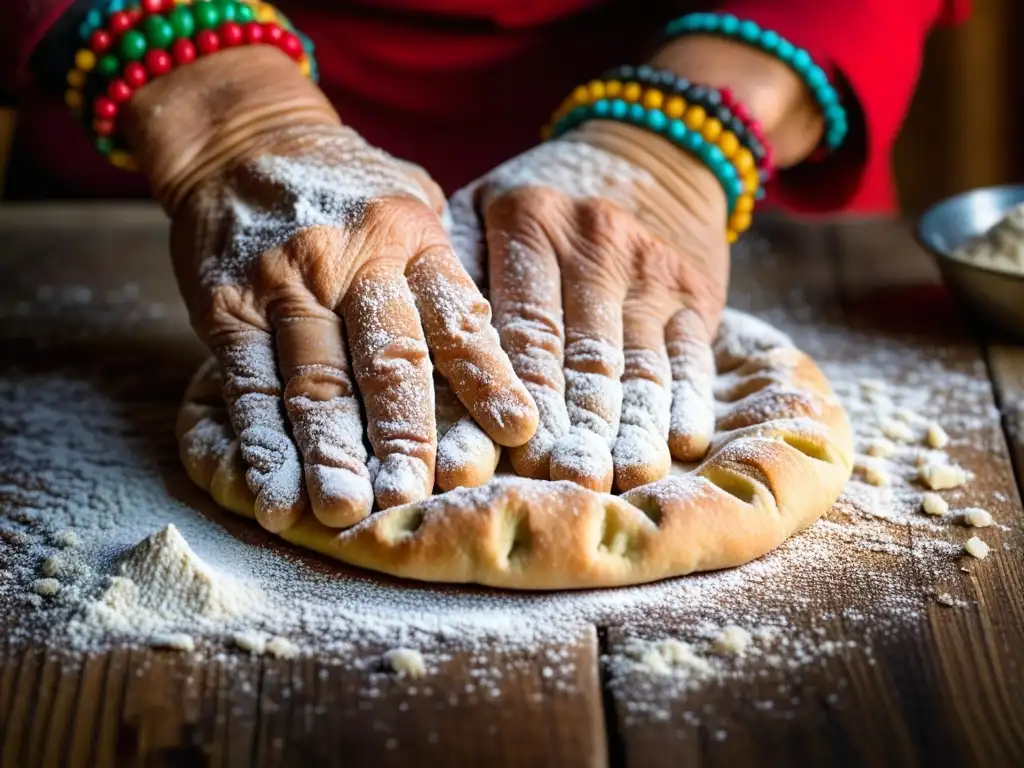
x,y
315,266
607,264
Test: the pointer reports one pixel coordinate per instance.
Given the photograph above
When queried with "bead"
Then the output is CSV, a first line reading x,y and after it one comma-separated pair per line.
x,y
730,236
104,108
119,91
631,91
76,78
601,108
692,141
305,68
644,71
728,143
103,145
183,52
637,113
711,129
100,41
653,99
749,31
741,112
227,9
785,50
613,88
158,63
595,90
740,221
253,33
744,204
133,45
231,34
135,75
85,60
619,109
103,127
266,13
729,24
676,130
159,32
675,107
800,60
580,94
656,120
274,34
152,7
743,160
244,14
120,159
733,188
206,15
120,23
108,65
694,117
73,98
770,40
182,21
727,98
207,42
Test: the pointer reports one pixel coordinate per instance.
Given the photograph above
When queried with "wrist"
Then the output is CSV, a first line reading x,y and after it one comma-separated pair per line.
x,y
682,182
773,93
197,120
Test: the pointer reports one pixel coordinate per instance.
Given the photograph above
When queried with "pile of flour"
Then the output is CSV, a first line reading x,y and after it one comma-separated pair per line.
x,y
104,541
1001,247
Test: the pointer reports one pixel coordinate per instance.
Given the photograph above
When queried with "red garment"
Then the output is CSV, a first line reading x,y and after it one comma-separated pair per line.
x,y
461,85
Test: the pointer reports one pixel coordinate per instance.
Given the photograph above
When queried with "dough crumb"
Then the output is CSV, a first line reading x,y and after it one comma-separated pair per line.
x,y
936,437
976,517
50,566
898,431
940,477
933,504
406,661
66,539
881,448
908,416
251,642
667,656
874,474
46,587
282,648
175,641
732,639
975,547
945,599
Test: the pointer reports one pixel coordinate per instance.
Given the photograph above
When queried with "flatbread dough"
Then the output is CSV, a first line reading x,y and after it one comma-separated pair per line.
x,y
781,455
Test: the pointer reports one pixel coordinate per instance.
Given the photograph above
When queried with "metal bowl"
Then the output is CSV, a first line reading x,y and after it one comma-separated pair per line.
x,y
995,298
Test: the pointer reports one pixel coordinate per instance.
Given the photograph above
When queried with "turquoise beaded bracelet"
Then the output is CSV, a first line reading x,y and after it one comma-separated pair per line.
x,y
772,43
672,129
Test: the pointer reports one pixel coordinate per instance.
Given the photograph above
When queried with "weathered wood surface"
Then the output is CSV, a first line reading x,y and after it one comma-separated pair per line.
x,y
948,689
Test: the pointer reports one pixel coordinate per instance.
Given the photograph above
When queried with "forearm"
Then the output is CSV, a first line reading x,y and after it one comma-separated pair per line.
x,y
190,123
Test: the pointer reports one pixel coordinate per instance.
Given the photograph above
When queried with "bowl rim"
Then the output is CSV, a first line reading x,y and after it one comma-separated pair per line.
x,y
1016,277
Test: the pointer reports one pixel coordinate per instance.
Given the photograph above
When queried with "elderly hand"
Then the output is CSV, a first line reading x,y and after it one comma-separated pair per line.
x,y
607,263
318,271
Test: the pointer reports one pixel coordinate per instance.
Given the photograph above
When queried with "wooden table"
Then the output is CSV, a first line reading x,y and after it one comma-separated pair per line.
x,y
946,689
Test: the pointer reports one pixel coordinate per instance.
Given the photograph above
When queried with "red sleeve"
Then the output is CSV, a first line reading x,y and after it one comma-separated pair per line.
x,y
874,50
22,26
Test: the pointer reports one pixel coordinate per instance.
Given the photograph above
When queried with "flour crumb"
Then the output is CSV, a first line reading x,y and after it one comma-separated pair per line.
x,y
46,587
51,566
66,539
881,448
933,504
407,662
251,642
936,437
666,657
945,599
874,474
976,517
898,431
940,477
975,547
733,639
282,648
174,641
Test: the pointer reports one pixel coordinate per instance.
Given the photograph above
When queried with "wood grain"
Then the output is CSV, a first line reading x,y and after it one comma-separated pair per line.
x,y
943,689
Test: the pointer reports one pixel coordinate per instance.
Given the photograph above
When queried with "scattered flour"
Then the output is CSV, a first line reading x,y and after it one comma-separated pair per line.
x,y
1001,248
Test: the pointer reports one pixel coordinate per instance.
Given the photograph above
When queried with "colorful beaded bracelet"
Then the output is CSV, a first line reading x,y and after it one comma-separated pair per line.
x,y
690,130
143,43
798,59
718,103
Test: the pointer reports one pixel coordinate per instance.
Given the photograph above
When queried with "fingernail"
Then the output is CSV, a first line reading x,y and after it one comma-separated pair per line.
x,y
401,480
340,498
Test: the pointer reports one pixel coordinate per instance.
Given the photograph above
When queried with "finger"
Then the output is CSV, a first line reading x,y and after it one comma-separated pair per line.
x,y
320,401
457,322
392,367
641,452
466,456
593,370
252,391
526,296
692,422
